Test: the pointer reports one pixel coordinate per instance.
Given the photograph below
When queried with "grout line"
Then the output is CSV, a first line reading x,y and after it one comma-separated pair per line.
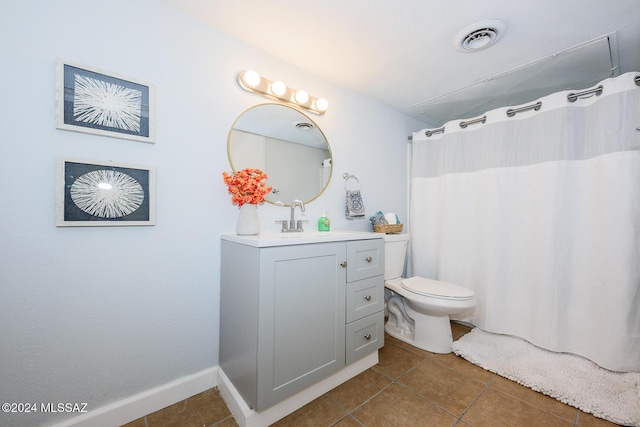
x,y
576,419
366,401
349,416
393,381
473,402
217,423
431,357
530,403
415,393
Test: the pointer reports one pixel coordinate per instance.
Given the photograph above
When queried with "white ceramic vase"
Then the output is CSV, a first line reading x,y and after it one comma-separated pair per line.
x,y
248,222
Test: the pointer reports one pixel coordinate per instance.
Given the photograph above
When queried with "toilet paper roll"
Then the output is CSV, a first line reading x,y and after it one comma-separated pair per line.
x,y
391,218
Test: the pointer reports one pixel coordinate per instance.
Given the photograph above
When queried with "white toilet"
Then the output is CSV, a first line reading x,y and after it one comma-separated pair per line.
x,y
419,308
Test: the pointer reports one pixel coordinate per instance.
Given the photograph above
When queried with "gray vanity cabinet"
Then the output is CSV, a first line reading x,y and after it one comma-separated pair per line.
x,y
284,316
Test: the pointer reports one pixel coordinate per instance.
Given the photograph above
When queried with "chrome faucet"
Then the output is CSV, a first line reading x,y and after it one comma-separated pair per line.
x,y
292,222
294,226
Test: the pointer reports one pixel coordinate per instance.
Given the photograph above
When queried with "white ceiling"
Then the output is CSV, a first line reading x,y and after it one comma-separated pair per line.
x,y
402,53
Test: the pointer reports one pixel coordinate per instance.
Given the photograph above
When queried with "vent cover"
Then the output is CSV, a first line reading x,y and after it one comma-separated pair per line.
x,y
480,36
304,125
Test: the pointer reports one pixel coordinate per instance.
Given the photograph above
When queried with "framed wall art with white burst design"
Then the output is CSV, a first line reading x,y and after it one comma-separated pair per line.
x,y
104,194
92,101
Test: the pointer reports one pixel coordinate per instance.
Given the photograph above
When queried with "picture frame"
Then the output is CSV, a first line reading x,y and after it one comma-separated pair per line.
x,y
97,102
90,193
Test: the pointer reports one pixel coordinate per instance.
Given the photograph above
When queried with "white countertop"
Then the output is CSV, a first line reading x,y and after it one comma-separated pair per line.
x,y
284,239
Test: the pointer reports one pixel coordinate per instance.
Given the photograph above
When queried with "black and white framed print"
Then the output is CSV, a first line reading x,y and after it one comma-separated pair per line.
x,y
104,194
92,101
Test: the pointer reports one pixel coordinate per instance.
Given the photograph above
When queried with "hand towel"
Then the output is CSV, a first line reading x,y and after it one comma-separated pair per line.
x,y
391,218
354,207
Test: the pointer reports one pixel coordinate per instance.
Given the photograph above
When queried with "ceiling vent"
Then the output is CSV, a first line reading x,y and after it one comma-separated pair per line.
x,y
303,125
480,36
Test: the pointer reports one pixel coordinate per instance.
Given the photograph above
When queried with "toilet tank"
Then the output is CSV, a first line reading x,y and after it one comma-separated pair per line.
x,y
395,250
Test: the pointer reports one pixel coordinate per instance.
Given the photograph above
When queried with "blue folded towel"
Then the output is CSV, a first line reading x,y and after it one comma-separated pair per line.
x,y
378,219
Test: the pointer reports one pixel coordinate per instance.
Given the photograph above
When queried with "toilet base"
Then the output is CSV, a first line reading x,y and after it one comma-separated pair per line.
x,y
432,333
398,333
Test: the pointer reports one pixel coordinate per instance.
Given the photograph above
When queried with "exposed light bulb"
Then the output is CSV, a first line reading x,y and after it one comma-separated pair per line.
x,y
105,186
322,104
278,88
302,97
251,78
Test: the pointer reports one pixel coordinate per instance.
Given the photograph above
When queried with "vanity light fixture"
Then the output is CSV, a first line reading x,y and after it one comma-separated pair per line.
x,y
278,88
253,82
301,96
322,104
251,78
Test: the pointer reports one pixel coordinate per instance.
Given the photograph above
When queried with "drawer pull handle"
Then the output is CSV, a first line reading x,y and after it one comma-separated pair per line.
x,y
344,264
367,337
368,259
368,297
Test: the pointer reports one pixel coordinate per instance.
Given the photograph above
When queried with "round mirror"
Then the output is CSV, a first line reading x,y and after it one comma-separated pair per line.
x,y
287,145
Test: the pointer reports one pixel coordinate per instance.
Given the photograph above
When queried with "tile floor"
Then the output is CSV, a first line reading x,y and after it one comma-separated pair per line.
x,y
408,387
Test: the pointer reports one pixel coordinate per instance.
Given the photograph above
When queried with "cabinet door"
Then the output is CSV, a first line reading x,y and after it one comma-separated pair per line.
x,y
302,318
365,259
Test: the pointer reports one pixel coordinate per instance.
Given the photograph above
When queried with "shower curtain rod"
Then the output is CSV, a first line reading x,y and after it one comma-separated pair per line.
x,y
510,113
432,131
572,97
482,120
513,111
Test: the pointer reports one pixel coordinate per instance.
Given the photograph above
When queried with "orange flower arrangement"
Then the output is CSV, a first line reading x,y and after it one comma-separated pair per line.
x,y
246,186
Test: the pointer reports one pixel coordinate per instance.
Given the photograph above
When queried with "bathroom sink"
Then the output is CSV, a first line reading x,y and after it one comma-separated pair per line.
x,y
309,234
305,237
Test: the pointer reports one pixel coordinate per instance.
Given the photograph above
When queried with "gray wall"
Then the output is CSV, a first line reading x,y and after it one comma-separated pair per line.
x,y
99,314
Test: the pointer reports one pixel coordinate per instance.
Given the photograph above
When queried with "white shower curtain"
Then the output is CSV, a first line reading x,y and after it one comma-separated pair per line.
x,y
539,215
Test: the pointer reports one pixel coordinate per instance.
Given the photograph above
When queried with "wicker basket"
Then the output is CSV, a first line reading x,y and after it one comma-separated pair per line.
x,y
388,228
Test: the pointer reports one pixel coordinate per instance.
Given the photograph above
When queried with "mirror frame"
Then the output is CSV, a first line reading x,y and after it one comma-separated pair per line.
x,y
307,118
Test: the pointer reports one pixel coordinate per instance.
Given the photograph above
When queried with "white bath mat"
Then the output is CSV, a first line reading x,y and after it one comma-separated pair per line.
x,y
571,379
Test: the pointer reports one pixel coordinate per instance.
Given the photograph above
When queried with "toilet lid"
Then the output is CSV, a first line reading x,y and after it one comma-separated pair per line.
x,y
436,288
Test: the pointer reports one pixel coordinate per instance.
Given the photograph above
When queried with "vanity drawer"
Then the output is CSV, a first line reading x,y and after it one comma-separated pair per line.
x,y
365,258
364,297
364,336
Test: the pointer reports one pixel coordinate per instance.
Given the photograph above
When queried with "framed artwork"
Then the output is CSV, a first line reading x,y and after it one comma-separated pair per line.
x,y
104,194
92,101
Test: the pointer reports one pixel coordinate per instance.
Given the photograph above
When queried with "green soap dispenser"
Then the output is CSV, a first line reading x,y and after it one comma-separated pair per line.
x,y
323,223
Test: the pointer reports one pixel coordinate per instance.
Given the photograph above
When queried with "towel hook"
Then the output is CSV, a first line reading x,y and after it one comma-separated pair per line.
x,y
347,177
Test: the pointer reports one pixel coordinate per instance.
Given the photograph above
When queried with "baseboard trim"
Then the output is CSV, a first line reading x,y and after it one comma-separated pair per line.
x,y
247,417
141,404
